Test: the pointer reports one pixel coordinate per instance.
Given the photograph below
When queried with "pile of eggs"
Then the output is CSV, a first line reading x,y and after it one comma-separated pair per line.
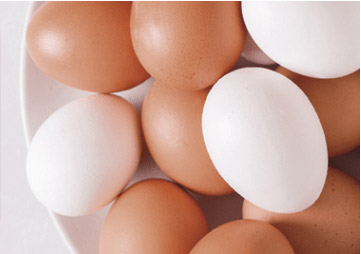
x,y
265,133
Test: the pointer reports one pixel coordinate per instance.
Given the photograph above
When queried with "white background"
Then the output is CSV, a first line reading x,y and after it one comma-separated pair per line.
x,y
25,226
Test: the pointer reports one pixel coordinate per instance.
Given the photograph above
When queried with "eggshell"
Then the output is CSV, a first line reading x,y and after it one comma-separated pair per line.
x,y
84,154
315,39
246,237
187,45
265,139
331,225
172,126
85,45
337,103
153,217
253,53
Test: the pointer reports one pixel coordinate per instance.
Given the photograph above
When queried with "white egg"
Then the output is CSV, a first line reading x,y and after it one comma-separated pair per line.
x,y
315,39
265,139
253,53
84,154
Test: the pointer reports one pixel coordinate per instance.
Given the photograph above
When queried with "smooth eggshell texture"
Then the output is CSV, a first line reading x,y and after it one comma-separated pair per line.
x,y
337,103
265,139
153,217
84,154
244,236
172,126
331,225
253,53
85,45
315,39
187,44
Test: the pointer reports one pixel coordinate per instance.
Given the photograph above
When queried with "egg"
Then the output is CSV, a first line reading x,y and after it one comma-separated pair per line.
x,y
246,237
265,139
153,216
187,45
172,125
315,39
85,45
253,53
84,154
337,103
331,225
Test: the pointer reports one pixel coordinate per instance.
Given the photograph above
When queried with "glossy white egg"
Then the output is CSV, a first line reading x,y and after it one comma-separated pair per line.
x,y
265,139
315,39
84,154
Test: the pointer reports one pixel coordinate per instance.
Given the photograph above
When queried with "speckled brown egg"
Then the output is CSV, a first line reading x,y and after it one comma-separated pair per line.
x,y
153,216
172,126
246,237
331,225
188,45
337,103
85,45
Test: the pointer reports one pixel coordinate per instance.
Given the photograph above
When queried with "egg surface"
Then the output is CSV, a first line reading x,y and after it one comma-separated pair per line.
x,y
331,225
253,53
153,216
244,236
315,39
265,139
337,103
85,45
172,125
84,154
187,45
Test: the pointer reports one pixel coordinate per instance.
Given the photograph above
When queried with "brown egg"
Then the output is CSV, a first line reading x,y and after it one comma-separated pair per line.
x,y
172,126
246,237
188,45
337,103
153,217
85,45
331,225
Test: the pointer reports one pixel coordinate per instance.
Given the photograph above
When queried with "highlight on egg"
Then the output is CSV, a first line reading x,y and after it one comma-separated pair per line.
x,y
265,139
85,45
172,126
84,154
153,216
331,225
188,45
